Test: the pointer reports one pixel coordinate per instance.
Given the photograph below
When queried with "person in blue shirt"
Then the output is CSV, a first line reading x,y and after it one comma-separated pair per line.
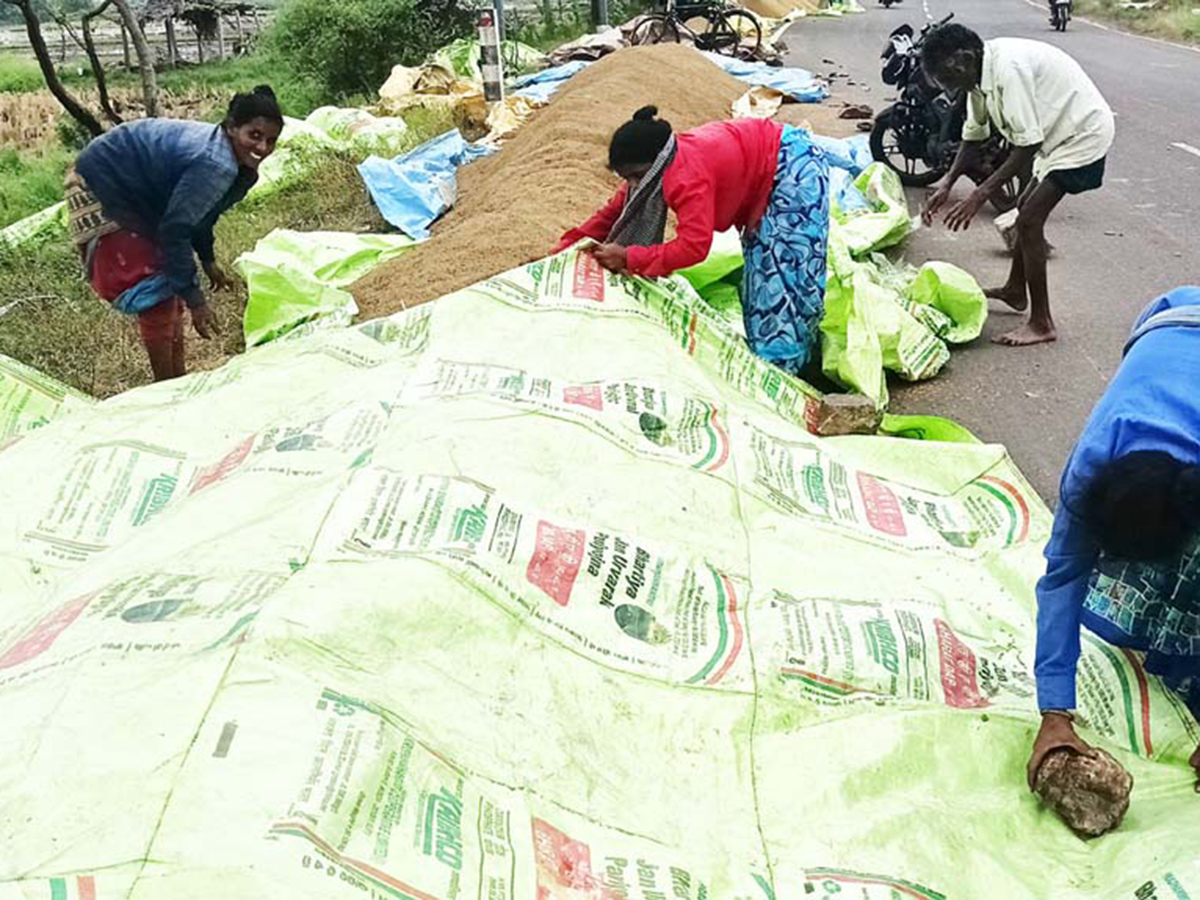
x,y
142,201
1123,559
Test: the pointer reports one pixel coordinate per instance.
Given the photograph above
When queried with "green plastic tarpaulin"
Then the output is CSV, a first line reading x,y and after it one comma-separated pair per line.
x,y
462,58
294,277
345,129
30,400
539,590
44,223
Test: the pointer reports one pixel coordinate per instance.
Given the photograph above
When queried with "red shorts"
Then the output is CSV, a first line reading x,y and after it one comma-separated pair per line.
x,y
121,260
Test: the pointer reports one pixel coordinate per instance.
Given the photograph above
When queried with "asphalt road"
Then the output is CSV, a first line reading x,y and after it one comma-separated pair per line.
x,y
1116,248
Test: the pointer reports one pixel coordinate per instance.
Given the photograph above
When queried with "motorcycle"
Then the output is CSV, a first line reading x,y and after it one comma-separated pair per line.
x,y
919,135
1060,14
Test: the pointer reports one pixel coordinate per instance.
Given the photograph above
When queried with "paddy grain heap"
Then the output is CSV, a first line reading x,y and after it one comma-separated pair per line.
x,y
513,206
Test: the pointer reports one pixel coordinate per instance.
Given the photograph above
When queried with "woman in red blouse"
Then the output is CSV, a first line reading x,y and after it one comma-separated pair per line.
x,y
765,179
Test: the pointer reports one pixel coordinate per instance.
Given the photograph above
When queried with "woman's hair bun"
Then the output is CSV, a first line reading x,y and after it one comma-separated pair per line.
x,y
645,114
264,90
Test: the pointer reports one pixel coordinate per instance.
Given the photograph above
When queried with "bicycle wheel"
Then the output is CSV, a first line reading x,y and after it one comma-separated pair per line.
x,y
655,29
746,26
720,33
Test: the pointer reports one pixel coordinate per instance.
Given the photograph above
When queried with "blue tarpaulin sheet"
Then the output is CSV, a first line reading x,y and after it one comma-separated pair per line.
x,y
541,85
413,189
799,84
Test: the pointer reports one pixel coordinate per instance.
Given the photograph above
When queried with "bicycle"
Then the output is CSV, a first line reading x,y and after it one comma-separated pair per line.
x,y
726,29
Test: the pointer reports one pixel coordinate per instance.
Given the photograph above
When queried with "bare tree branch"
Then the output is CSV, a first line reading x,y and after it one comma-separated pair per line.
x,y
97,66
60,17
37,41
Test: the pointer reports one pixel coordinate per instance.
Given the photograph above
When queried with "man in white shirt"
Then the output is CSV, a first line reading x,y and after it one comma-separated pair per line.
x,y
1043,103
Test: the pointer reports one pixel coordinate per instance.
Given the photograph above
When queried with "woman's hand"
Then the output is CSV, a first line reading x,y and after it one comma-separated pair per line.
x,y
1057,731
217,277
205,322
613,257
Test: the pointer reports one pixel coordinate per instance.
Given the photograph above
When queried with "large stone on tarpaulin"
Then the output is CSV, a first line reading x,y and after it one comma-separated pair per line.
x,y
1090,794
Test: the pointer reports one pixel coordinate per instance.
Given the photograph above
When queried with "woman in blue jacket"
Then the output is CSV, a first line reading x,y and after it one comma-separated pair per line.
x,y
142,201
1123,560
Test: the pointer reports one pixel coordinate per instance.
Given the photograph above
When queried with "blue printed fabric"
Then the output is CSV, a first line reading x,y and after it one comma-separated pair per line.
x,y
1153,607
847,158
146,294
783,284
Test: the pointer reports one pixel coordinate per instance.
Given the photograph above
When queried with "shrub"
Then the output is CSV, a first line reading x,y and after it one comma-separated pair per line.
x,y
30,182
19,75
351,46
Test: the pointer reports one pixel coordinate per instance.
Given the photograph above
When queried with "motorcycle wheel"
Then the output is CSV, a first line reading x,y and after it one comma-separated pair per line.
x,y
885,147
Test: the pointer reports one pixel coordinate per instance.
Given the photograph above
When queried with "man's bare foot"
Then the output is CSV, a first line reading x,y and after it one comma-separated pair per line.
x,y
1016,299
1027,334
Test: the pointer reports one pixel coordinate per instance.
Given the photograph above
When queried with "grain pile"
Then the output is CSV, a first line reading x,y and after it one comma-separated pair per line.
x,y
513,206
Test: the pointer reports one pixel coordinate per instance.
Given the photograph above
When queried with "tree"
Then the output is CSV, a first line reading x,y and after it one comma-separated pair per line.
x,y
77,110
60,16
33,28
350,46
145,57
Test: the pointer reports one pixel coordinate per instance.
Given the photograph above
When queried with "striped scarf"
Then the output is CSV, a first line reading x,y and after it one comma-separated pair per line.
x,y
643,221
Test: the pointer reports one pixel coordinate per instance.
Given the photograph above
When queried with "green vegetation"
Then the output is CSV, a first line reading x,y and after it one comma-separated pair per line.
x,y
1172,19
350,47
29,182
551,25
298,95
19,75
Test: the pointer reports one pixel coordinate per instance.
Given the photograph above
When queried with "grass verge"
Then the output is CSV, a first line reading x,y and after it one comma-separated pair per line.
x,y
1177,20
50,319
30,181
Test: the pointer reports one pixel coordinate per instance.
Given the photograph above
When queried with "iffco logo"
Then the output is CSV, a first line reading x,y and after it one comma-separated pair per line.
x,y
470,524
883,644
443,829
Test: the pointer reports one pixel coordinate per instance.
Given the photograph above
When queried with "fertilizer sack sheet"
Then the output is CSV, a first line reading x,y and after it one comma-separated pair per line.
x,y
542,590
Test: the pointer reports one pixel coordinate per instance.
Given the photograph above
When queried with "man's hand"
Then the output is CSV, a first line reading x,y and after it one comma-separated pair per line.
x,y
1194,762
933,205
1057,731
959,218
613,257
217,277
205,322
